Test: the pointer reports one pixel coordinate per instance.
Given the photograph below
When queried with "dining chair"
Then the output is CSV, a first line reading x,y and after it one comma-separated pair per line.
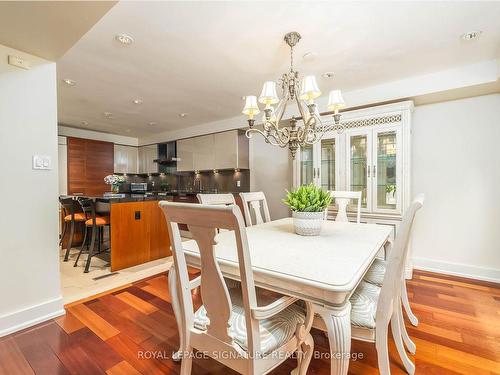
x,y
375,275
373,308
342,199
224,199
255,202
232,326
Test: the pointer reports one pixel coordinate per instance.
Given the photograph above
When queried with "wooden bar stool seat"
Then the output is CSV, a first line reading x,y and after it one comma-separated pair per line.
x,y
99,221
79,216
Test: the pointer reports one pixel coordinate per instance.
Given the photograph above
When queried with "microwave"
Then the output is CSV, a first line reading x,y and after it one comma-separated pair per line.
x,y
138,187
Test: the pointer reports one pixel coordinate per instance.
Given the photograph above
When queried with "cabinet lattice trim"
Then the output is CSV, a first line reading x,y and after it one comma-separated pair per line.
x,y
371,121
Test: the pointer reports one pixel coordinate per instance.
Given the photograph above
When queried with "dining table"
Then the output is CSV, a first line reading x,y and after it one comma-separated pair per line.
x,y
323,269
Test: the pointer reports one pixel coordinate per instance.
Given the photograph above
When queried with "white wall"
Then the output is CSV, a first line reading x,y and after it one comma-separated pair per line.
x,y
270,172
29,267
456,163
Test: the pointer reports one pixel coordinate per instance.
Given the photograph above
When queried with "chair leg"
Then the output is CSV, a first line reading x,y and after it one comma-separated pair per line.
x,y
91,250
63,233
382,349
410,345
396,335
307,349
70,241
86,230
187,362
406,304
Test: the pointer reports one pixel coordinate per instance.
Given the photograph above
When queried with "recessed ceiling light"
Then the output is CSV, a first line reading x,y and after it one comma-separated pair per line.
x,y
137,101
183,114
309,56
152,123
128,130
471,35
124,39
327,75
108,114
84,123
69,82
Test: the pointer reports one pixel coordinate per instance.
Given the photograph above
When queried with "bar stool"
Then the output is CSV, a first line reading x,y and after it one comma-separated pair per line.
x,y
96,224
72,214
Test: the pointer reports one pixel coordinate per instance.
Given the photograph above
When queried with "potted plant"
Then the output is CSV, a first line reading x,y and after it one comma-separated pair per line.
x,y
114,180
308,204
390,194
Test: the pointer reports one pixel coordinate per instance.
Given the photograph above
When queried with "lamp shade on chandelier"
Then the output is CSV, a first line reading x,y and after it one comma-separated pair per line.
x,y
311,129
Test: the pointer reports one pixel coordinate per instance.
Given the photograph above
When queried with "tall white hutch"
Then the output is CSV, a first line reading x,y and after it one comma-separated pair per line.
x,y
371,155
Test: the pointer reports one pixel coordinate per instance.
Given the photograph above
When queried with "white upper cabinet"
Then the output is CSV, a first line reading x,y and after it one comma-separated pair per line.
x,y
125,159
371,155
226,150
147,155
204,153
185,155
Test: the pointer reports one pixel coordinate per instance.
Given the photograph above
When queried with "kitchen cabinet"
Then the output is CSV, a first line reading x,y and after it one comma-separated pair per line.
x,y
126,159
185,155
88,161
204,157
147,157
225,150
231,150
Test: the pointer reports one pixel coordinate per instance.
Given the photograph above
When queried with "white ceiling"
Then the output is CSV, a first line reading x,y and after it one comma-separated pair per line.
x,y
201,57
48,28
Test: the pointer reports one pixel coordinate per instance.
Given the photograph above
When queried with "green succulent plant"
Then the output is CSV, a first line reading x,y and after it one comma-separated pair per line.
x,y
307,198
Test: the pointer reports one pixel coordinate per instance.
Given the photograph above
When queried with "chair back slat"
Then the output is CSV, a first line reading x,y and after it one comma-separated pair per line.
x,y
202,221
342,199
395,264
225,199
255,203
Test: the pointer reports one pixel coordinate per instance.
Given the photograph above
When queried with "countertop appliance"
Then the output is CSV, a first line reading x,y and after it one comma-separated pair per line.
x,y
138,187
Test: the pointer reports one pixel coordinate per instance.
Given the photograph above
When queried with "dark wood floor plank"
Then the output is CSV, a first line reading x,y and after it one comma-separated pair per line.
x,y
12,360
38,353
98,351
133,354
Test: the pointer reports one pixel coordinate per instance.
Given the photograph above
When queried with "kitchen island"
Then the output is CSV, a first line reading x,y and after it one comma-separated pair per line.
x,y
138,230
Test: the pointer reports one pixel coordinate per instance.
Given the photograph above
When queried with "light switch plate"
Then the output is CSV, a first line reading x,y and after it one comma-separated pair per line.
x,y
238,183
42,162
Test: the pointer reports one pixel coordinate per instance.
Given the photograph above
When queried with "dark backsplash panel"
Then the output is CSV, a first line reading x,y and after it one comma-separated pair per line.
x,y
221,182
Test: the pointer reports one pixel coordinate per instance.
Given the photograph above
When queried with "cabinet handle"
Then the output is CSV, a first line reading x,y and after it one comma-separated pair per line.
x,y
374,171
314,172
368,171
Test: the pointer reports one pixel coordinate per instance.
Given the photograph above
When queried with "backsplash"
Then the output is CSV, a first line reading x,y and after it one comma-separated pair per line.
x,y
222,181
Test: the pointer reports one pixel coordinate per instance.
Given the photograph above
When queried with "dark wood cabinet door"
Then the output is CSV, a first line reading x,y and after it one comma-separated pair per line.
x,y
89,162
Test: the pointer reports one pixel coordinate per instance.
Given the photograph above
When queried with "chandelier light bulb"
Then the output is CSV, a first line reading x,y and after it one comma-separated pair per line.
x,y
309,89
268,95
335,101
251,108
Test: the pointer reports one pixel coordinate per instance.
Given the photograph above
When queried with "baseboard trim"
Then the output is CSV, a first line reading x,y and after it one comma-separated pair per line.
x,y
29,316
457,269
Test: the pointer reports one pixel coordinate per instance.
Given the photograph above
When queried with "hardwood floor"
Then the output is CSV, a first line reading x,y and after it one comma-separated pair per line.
x,y
117,333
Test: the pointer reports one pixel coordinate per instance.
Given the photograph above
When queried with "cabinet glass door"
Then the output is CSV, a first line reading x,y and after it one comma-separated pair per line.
x,y
327,159
358,160
306,165
386,171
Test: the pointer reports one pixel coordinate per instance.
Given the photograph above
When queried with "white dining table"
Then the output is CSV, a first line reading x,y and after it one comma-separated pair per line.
x,y
324,269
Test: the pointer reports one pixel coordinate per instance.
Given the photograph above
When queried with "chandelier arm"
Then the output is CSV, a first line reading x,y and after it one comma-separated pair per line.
x,y
268,137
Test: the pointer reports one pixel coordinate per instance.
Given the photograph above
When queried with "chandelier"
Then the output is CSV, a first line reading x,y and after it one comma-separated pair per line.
x,y
311,129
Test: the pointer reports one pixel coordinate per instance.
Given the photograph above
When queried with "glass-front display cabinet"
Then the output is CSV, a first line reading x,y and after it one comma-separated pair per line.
x,y
371,155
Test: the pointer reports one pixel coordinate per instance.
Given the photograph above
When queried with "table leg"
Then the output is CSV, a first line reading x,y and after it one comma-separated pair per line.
x,y
177,307
338,324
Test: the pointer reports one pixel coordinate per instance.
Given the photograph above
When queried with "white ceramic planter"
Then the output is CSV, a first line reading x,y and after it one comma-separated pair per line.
x,y
308,223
